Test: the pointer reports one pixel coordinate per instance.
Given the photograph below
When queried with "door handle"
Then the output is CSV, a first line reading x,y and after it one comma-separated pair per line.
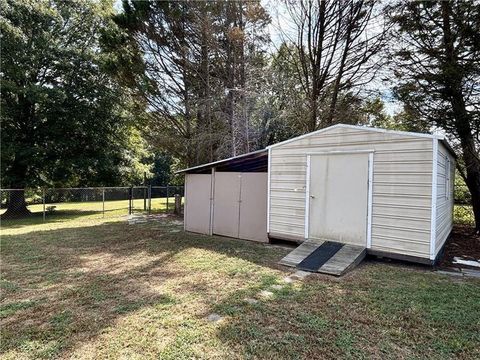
x,y
313,197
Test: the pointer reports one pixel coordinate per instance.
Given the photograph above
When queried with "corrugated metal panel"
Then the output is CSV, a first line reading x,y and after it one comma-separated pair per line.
x,y
444,213
401,186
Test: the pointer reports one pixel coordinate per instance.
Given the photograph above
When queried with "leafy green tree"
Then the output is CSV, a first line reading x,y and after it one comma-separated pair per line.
x,y
437,67
162,173
63,119
405,120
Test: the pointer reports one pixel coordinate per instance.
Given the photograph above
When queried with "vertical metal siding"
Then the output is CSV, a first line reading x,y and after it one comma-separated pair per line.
x,y
197,203
226,203
253,207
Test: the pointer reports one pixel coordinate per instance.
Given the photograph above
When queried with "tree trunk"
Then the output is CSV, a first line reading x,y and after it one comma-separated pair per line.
x,y
313,113
230,78
462,117
339,77
470,156
473,183
16,205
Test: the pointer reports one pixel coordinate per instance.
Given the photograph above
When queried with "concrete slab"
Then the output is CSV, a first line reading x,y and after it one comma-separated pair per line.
x,y
471,273
449,273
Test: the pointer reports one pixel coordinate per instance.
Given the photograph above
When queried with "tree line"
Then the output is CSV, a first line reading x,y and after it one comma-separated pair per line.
x,y
96,96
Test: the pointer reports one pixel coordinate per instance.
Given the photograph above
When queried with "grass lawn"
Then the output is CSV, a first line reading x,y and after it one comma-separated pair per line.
x,y
86,210
99,288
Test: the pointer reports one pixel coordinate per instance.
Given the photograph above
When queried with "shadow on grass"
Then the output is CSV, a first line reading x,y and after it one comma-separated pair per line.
x,y
62,288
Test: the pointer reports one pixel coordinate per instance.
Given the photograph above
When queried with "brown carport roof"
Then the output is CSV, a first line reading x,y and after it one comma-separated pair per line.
x,y
256,161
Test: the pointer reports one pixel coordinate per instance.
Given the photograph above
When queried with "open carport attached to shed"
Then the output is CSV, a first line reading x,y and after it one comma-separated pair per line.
x,y
228,197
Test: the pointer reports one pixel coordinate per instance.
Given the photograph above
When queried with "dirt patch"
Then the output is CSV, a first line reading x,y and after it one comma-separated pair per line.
x,y
462,242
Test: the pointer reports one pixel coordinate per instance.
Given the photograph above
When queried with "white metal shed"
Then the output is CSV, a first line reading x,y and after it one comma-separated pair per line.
x,y
389,191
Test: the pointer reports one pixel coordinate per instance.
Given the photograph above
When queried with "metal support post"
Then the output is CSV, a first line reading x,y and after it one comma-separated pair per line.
x,y
167,201
144,191
130,193
43,200
103,202
149,199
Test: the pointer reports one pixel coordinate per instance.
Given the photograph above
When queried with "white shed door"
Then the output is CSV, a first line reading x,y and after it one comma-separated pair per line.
x,y
197,202
253,207
226,204
339,197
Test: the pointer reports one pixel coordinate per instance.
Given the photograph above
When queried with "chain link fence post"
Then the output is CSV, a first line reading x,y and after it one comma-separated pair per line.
x,y
129,196
43,201
149,199
103,202
167,201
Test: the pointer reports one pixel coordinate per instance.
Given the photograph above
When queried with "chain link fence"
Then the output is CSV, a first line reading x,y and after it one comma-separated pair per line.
x,y
65,203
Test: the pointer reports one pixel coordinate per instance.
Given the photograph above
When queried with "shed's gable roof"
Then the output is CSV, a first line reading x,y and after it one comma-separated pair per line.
x,y
357,127
366,128
258,159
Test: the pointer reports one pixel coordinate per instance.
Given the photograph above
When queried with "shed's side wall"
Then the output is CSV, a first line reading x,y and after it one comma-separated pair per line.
x,y
402,182
444,212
